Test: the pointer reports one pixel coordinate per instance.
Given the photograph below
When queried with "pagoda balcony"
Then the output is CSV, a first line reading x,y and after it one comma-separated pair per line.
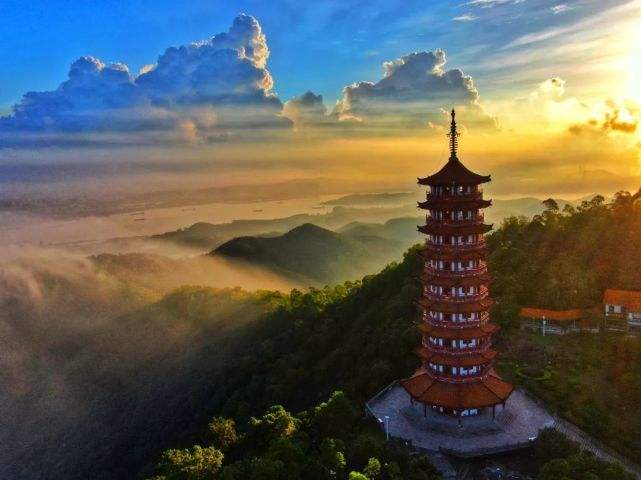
x,y
477,322
479,349
481,269
457,247
475,297
455,196
475,219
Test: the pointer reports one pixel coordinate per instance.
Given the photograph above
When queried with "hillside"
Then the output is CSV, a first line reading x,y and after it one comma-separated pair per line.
x,y
209,235
395,215
314,254
359,336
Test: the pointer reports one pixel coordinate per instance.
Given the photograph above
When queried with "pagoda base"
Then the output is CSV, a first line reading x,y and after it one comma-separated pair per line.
x,y
508,428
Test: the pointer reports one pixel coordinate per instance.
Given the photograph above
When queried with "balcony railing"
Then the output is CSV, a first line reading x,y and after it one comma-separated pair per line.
x,y
449,196
449,247
468,298
482,320
478,218
456,273
457,351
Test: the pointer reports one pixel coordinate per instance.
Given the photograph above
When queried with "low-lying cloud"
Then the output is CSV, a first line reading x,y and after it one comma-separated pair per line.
x,y
97,369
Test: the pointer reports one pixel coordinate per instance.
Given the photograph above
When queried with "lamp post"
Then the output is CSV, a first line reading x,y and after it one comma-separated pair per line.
x,y
385,422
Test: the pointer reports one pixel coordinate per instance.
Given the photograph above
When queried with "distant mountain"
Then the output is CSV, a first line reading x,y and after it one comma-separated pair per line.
x,y
312,253
371,199
209,236
399,229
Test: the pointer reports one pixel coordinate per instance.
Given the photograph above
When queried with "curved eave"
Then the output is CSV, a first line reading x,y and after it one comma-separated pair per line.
x,y
462,229
486,392
454,173
454,204
456,360
458,333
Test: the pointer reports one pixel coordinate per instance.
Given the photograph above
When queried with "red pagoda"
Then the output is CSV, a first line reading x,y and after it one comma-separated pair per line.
x,y
456,375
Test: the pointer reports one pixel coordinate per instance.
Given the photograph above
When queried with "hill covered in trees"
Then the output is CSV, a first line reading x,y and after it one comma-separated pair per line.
x,y
309,253
358,337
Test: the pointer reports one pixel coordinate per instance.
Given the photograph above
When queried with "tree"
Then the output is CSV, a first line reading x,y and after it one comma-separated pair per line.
x,y
195,464
373,469
357,476
335,417
222,432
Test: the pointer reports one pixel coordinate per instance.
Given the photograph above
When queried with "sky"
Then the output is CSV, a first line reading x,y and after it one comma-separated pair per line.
x,y
338,89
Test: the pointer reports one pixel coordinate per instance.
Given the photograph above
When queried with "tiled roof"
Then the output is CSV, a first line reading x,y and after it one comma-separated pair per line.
x,y
458,333
454,173
456,360
556,315
627,298
485,392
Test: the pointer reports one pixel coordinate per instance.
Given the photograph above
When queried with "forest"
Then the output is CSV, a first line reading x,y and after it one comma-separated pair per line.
x,y
357,337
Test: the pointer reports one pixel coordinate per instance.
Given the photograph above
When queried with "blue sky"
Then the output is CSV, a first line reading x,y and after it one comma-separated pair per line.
x,y
321,46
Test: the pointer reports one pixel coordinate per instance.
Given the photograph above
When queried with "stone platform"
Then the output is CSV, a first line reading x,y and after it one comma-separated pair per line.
x,y
514,426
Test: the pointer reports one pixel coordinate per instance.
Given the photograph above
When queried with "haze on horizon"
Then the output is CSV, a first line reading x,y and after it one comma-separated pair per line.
x,y
356,94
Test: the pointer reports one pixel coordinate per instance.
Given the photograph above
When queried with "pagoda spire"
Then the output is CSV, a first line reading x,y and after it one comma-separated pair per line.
x,y
453,136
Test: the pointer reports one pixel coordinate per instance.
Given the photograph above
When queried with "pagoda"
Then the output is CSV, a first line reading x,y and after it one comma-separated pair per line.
x,y
456,376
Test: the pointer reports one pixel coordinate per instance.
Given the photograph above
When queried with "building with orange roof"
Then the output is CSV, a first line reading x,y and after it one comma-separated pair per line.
x,y
622,309
551,322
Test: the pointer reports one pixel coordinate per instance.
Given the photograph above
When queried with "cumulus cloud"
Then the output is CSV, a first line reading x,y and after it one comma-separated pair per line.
x,y
196,92
307,110
415,90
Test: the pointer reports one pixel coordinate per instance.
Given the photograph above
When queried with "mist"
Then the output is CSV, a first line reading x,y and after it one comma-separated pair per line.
x,y
102,361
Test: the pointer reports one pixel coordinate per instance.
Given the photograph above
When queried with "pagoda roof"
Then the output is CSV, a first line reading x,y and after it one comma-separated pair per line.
x,y
555,315
454,202
458,333
456,360
454,173
455,306
486,392
626,298
450,229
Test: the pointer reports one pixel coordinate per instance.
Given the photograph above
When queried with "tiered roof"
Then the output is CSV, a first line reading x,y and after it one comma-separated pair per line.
x,y
488,391
468,360
466,333
454,173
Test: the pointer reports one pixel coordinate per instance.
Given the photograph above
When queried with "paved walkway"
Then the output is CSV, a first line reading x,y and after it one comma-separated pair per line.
x,y
513,427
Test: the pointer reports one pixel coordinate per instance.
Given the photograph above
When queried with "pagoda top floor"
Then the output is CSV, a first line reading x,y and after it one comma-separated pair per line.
x,y
454,173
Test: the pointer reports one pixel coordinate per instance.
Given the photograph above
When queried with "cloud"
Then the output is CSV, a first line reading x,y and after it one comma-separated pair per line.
x,y
195,92
610,117
466,17
561,8
491,3
416,89
307,110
